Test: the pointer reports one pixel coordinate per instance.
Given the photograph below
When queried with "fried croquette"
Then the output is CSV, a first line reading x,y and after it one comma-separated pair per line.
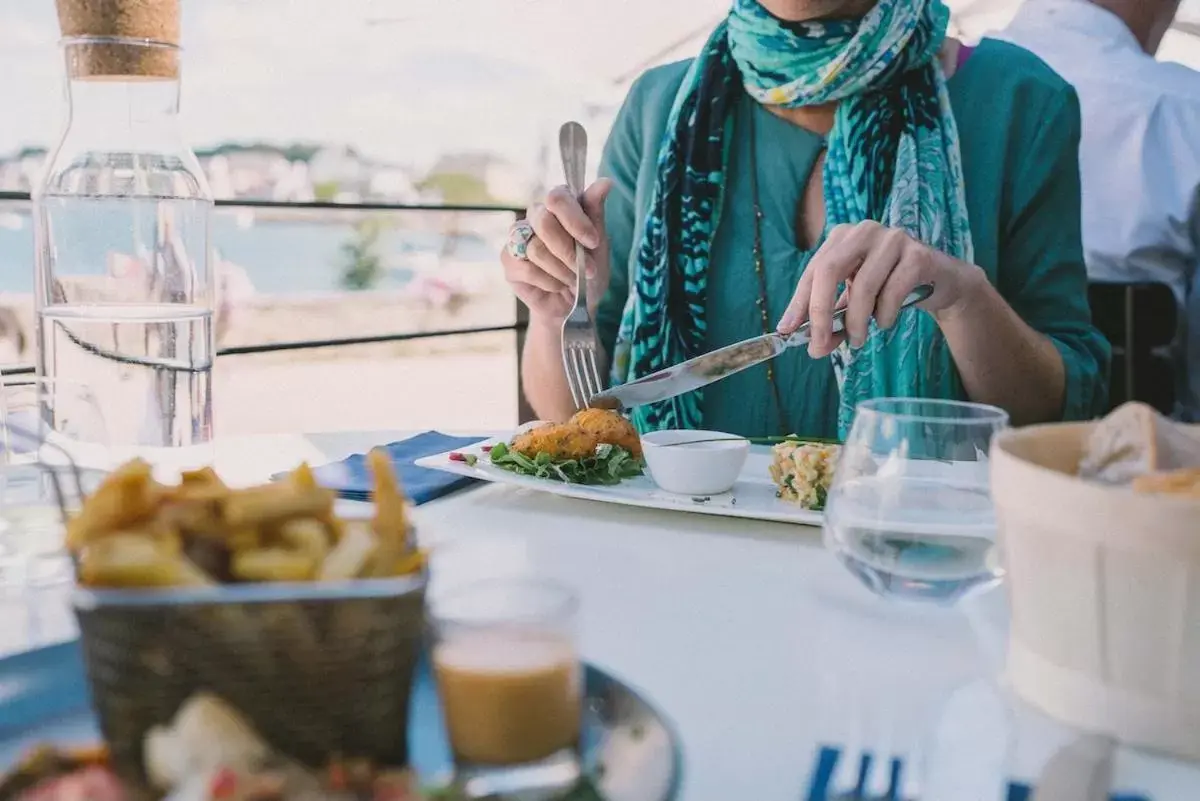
x,y
579,437
563,441
609,428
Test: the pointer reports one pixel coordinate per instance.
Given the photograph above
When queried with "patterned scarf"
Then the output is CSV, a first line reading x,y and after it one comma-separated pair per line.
x,y
893,157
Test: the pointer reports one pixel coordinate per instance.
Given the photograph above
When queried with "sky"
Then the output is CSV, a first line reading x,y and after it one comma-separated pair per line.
x,y
402,80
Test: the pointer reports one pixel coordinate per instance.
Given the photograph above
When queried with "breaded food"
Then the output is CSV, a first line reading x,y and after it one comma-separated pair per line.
x,y
562,441
609,428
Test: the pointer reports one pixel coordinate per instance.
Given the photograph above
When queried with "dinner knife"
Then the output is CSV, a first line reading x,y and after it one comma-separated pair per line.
x,y
718,364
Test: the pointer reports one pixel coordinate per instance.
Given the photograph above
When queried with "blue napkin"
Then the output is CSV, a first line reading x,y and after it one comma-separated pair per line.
x,y
351,478
826,763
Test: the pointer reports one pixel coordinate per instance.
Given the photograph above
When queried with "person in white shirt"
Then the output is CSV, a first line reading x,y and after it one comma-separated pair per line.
x,y
1140,153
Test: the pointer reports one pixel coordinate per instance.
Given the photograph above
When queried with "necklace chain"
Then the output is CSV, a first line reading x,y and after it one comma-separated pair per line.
x,y
760,269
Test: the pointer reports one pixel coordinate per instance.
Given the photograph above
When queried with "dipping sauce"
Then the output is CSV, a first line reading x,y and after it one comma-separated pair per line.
x,y
508,697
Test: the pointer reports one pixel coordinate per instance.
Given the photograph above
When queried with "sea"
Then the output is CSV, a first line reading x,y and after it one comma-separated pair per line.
x,y
303,253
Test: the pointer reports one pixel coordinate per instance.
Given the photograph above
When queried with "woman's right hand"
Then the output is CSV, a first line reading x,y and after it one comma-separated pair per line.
x,y
545,281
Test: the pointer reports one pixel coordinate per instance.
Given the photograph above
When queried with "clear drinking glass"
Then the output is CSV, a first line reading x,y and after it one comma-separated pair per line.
x,y
124,288
510,682
34,444
910,511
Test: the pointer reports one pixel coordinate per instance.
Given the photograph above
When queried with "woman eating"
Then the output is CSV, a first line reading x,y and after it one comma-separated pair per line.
x,y
818,154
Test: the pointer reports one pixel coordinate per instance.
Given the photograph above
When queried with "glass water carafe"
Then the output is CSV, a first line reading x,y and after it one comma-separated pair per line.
x,y
124,291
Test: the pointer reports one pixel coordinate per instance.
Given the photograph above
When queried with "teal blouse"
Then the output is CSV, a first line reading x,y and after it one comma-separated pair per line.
x,y
1019,124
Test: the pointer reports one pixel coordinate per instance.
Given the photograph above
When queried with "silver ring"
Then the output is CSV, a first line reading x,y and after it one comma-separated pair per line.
x,y
519,237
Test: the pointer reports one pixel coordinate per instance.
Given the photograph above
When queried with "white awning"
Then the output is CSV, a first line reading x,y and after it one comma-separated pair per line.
x,y
677,34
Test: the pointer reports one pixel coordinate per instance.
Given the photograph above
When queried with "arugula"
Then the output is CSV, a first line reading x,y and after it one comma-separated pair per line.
x,y
610,465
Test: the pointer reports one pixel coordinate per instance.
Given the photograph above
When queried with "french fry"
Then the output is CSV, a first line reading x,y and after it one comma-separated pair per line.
x,y
387,563
273,564
244,538
302,478
202,518
128,496
135,560
391,515
205,476
306,535
349,557
196,493
162,532
275,503
202,484
336,528
412,562
201,531
388,552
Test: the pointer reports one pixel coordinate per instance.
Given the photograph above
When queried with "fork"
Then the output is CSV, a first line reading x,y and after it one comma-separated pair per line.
x,y
865,776
872,765
579,330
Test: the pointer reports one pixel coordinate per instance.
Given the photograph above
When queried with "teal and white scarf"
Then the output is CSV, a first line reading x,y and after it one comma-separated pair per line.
x,y
893,157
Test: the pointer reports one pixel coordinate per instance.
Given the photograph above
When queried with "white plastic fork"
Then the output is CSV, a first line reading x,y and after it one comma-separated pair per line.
x,y
579,342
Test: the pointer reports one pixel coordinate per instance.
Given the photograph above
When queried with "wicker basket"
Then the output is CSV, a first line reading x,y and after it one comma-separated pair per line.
x,y
318,669
1104,586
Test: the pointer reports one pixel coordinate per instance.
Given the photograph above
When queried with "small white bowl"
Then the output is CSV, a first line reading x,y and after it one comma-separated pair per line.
x,y
703,468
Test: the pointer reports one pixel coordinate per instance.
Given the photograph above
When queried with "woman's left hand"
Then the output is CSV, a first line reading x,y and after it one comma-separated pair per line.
x,y
880,266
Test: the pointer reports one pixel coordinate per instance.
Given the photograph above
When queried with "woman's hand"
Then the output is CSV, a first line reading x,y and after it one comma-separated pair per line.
x,y
880,266
545,280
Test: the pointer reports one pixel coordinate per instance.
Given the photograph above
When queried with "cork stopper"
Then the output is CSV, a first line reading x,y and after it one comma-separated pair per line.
x,y
141,20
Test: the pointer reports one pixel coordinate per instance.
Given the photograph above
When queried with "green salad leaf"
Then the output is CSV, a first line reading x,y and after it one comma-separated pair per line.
x,y
610,465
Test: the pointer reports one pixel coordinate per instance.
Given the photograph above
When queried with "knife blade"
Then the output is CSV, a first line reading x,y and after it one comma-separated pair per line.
x,y
719,364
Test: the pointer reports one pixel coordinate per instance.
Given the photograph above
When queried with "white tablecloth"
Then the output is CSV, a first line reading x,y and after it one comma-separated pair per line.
x,y
749,636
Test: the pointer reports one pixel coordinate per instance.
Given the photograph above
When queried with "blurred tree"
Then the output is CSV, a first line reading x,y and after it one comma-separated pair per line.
x,y
458,188
362,266
325,191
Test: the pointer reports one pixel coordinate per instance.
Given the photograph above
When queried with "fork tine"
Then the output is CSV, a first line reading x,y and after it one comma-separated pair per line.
x,y
593,372
586,380
567,368
578,382
568,371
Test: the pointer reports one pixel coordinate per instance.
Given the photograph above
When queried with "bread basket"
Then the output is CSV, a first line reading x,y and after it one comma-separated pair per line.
x,y
1104,586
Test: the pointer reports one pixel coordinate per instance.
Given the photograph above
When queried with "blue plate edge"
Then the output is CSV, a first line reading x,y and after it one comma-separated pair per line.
x,y
67,656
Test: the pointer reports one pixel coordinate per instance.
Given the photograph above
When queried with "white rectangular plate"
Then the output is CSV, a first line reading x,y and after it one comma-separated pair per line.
x,y
753,496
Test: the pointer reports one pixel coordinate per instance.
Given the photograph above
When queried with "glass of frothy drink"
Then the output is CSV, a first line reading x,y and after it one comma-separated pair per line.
x,y
510,681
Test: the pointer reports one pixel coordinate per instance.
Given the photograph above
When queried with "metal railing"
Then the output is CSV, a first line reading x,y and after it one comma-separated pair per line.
x,y
518,326
325,205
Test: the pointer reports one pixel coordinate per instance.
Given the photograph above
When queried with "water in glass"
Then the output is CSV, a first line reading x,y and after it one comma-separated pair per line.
x,y
125,290
909,512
